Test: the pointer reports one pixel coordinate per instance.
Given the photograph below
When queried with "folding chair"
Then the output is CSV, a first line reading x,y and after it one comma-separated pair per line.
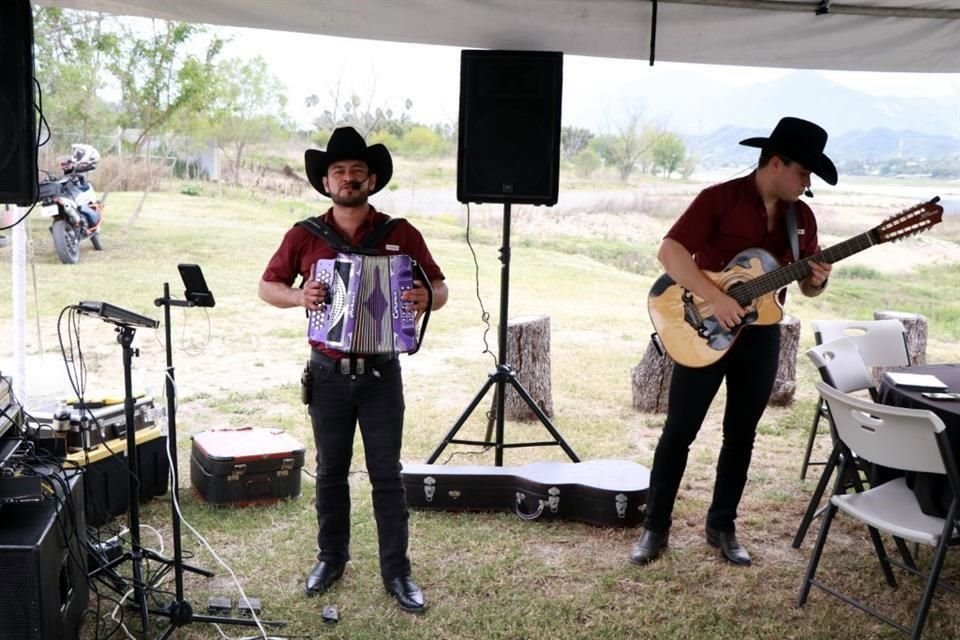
x,y
903,439
841,366
882,343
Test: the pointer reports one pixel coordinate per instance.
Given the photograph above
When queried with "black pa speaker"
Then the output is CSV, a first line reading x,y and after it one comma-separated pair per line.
x,y
18,132
43,573
509,142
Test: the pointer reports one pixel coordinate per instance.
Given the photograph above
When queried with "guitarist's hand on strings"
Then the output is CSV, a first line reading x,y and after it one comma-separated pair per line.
x,y
726,310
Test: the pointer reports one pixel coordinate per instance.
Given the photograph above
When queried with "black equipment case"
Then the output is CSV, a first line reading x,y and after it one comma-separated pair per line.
x,y
106,485
608,493
240,467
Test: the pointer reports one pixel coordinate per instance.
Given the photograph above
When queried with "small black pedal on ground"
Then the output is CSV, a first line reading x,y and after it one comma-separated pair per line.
x,y
330,614
219,605
247,605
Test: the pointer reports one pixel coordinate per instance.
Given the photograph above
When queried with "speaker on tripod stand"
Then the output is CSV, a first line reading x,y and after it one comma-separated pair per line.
x,y
509,152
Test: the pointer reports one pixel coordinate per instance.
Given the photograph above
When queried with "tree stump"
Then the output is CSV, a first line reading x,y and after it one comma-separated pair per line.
x,y
915,326
785,385
651,381
528,354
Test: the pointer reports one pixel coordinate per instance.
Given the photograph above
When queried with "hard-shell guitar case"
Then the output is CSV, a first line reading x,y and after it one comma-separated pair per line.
x,y
608,493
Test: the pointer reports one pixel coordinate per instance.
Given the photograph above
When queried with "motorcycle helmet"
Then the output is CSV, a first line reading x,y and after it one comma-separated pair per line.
x,y
82,158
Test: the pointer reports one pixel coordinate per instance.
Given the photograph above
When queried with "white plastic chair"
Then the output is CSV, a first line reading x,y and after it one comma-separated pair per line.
x,y
882,343
907,440
841,366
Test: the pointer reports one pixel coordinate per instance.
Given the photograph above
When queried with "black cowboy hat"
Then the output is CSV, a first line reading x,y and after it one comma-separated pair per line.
x,y
347,144
801,141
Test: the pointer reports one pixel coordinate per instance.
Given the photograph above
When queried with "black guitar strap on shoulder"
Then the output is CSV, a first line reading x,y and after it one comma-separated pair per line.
x,y
791,220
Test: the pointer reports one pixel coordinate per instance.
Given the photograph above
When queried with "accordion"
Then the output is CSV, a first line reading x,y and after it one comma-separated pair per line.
x,y
364,313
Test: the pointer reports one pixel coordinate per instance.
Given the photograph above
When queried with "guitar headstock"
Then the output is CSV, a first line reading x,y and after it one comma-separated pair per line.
x,y
908,222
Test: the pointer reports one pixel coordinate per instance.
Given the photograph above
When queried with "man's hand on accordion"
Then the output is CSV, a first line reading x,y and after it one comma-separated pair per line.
x,y
314,294
417,298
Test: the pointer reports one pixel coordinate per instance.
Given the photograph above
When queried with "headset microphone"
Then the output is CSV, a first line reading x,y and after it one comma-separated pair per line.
x,y
808,193
355,184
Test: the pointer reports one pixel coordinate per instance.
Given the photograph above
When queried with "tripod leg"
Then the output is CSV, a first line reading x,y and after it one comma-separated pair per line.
x,y
462,419
543,418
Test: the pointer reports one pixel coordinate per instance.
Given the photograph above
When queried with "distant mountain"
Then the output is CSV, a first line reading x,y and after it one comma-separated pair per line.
x,y
837,108
722,147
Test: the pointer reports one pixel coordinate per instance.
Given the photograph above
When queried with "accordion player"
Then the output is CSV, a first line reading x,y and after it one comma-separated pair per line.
x,y
364,313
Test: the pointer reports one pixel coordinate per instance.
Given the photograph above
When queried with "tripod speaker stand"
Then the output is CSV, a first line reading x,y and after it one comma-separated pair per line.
x,y
500,377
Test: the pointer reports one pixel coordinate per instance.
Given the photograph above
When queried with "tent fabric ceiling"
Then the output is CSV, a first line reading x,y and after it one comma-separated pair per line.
x,y
866,35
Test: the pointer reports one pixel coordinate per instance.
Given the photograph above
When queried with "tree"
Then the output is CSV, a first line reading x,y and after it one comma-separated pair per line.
x,y
668,152
159,80
363,114
632,142
71,50
573,140
245,106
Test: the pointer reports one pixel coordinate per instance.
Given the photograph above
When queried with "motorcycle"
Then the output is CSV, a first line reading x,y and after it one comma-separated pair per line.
x,y
72,204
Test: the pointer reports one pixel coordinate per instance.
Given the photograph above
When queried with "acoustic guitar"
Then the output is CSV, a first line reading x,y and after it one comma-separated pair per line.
x,y
690,332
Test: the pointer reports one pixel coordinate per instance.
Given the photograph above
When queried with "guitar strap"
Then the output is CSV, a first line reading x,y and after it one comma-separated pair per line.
x,y
791,220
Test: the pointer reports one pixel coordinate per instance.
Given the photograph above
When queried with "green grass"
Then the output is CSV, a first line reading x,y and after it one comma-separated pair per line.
x,y
486,575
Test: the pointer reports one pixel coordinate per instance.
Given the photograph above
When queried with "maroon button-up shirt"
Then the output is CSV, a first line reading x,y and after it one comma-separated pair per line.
x,y
729,217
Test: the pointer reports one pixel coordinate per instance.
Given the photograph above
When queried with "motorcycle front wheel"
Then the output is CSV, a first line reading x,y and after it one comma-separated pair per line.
x,y
66,242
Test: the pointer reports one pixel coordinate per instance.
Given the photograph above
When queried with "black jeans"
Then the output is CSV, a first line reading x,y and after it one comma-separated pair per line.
x,y
750,369
375,401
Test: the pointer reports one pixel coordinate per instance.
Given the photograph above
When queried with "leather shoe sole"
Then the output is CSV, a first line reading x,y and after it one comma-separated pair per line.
x,y
322,577
407,594
649,547
731,550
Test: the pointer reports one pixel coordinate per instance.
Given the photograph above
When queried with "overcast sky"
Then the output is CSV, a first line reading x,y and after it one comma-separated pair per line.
x,y
595,89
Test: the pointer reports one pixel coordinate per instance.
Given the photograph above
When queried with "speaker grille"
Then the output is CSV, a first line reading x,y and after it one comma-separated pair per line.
x,y
18,137
18,602
509,135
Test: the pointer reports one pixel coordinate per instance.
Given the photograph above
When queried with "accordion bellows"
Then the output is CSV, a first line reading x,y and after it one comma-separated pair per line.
x,y
364,313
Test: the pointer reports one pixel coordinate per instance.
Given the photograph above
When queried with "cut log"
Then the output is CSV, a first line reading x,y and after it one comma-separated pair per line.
x,y
915,326
785,385
651,381
528,354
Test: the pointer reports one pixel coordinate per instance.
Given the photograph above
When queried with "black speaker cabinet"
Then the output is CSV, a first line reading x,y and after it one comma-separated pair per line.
x,y
509,143
18,132
43,577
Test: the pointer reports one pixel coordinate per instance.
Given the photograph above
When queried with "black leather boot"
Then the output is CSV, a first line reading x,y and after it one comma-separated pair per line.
x,y
649,547
732,550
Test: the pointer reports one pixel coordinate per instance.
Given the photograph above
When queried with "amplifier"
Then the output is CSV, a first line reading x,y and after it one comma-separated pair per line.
x,y
43,587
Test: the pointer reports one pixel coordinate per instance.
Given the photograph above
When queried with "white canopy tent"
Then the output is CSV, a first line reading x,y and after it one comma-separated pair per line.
x,y
865,35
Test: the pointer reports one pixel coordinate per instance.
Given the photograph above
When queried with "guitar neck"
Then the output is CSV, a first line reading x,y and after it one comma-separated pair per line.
x,y
779,278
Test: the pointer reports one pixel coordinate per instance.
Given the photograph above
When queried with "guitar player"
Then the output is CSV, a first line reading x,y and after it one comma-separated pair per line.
x,y
723,220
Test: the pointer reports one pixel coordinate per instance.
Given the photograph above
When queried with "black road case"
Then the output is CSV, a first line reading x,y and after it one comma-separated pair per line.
x,y
239,467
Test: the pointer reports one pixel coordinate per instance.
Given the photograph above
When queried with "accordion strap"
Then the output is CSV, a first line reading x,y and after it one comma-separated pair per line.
x,y
320,228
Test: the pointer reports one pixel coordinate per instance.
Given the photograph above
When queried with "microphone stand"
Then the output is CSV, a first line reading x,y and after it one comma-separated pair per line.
x,y
180,612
